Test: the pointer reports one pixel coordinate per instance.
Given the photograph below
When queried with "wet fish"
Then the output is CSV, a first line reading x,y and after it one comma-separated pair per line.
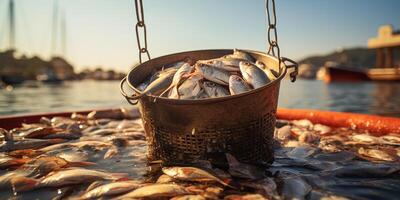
x,y
5,179
253,75
214,90
65,177
45,164
109,189
161,83
364,139
322,129
181,75
240,54
190,88
237,85
30,153
228,64
303,123
308,137
283,133
390,139
156,191
272,75
109,114
213,74
192,174
28,144
164,179
7,162
377,154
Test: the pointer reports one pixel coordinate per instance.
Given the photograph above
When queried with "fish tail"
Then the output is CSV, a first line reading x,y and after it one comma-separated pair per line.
x,y
23,184
227,184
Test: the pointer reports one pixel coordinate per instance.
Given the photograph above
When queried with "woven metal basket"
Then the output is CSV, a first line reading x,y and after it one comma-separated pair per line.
x,y
180,131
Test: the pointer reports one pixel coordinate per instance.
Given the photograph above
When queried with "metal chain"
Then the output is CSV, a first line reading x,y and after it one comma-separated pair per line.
x,y
141,25
272,33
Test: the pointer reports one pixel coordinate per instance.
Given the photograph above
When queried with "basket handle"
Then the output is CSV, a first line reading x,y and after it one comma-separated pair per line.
x,y
293,65
133,99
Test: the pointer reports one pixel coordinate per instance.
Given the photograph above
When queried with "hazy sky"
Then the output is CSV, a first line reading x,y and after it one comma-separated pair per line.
x,y
101,32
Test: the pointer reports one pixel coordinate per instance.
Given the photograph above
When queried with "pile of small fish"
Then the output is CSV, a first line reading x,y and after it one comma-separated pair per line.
x,y
102,155
229,75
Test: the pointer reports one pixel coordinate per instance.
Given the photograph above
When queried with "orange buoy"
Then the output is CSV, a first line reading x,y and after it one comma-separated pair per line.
x,y
376,125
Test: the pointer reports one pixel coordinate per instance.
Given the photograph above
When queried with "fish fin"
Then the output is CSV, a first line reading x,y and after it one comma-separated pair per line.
x,y
227,184
80,164
23,184
232,160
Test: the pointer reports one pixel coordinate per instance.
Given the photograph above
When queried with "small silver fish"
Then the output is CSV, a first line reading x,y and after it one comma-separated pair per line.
x,y
28,144
109,189
213,74
161,83
179,77
253,75
214,90
237,85
65,177
272,75
240,54
228,64
377,154
156,191
192,174
191,87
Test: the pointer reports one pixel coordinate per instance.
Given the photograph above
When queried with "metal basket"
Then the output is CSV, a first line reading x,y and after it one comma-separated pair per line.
x,y
180,131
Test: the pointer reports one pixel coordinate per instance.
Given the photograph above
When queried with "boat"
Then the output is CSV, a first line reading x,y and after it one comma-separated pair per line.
x,y
344,74
11,80
385,68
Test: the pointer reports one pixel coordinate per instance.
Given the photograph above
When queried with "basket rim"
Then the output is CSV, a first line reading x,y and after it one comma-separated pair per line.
x,y
208,100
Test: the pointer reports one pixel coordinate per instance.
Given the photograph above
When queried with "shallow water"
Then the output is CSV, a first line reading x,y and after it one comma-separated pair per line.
x,y
363,97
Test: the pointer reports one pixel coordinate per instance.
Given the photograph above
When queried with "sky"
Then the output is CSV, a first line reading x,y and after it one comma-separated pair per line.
x,y
101,32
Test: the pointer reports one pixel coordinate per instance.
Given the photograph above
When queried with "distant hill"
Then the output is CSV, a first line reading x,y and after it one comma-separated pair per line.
x,y
355,57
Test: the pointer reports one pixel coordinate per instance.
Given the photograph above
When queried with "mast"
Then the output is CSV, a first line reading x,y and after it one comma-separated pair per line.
x,y
54,28
63,34
11,24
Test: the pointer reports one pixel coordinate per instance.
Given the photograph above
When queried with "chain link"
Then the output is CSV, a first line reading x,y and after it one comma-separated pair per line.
x,y
272,33
140,25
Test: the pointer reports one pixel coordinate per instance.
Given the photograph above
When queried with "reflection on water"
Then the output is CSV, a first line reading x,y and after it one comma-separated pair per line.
x,y
362,97
366,97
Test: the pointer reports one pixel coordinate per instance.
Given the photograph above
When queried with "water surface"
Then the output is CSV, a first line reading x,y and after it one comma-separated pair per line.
x,y
364,97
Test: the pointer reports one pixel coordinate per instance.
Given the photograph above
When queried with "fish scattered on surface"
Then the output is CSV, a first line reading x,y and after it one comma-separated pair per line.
x,y
192,174
110,189
156,191
312,161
